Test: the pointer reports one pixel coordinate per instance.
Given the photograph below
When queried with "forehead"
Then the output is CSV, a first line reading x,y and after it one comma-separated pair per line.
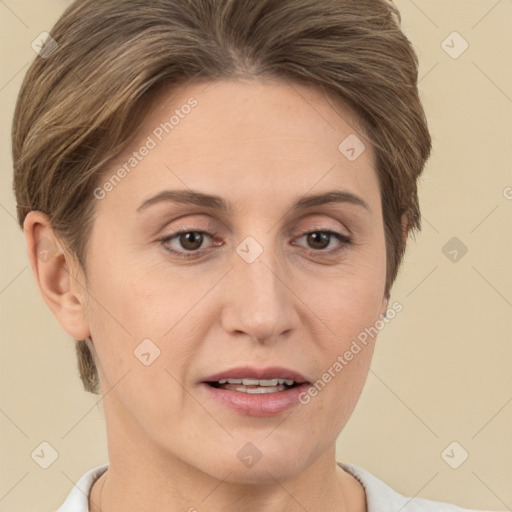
x,y
251,111
244,137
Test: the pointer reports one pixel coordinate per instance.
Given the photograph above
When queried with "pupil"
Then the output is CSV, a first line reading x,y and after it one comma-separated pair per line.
x,y
192,235
315,236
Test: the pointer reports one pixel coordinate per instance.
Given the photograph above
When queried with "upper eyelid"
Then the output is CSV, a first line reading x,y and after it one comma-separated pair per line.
x,y
211,232
317,225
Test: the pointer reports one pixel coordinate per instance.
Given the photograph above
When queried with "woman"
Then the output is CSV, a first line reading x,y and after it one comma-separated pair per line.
x,y
216,197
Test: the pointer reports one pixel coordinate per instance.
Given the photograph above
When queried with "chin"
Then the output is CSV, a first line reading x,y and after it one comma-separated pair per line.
x,y
273,465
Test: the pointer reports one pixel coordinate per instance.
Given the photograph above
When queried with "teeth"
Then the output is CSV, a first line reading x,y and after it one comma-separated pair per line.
x,y
272,382
258,382
260,390
251,382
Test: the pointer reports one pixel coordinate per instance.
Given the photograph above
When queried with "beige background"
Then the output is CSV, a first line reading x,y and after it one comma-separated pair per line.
x,y
441,372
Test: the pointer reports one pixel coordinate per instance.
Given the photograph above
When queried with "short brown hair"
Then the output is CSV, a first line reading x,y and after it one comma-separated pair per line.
x,y
77,106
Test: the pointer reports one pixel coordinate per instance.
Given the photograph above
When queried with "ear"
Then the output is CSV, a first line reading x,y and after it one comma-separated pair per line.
x,y
403,241
385,302
405,228
60,282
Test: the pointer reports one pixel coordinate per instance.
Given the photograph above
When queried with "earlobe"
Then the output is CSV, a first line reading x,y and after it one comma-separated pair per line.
x,y
54,274
404,228
385,302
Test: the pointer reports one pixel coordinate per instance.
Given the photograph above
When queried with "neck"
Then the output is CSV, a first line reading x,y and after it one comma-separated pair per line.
x,y
142,476
138,487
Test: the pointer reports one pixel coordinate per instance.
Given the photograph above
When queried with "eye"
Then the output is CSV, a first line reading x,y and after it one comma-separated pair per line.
x,y
190,242
320,240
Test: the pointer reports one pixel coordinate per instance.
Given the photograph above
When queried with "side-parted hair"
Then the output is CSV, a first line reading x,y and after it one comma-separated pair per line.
x,y
78,106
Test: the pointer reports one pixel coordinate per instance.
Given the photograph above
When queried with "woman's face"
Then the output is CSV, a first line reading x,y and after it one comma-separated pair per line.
x,y
258,285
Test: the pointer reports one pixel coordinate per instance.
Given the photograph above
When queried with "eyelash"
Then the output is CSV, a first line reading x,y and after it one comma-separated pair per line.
x,y
345,240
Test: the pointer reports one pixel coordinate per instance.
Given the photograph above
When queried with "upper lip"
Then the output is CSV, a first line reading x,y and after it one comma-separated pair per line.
x,y
250,372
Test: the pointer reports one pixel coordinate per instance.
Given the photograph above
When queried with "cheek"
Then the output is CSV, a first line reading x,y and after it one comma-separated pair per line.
x,y
350,298
348,306
141,331
128,299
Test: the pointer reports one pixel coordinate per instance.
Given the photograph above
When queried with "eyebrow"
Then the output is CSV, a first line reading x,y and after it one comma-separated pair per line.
x,y
192,197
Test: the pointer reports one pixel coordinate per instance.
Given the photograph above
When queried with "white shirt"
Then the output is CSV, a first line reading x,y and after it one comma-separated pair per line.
x,y
379,496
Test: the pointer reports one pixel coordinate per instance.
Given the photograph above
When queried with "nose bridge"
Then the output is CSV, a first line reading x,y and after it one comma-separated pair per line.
x,y
261,304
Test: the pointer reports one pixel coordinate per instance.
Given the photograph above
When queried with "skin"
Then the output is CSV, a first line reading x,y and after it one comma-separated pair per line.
x,y
261,146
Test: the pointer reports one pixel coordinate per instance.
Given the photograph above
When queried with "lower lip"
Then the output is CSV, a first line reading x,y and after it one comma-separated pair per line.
x,y
264,404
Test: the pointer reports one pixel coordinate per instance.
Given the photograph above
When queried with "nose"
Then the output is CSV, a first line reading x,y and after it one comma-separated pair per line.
x,y
260,303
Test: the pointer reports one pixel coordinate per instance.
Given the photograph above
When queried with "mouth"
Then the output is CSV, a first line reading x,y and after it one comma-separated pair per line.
x,y
248,379
256,391
254,386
